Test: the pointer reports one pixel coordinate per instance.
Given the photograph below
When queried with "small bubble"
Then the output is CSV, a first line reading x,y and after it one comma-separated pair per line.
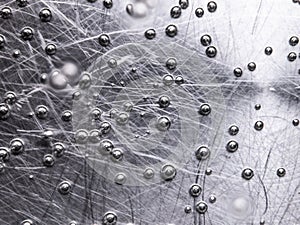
x,y
247,174
179,80
120,178
85,81
16,146
45,15
67,115
58,149
108,4
188,209
171,63
208,171
292,56
105,127
81,136
48,160
50,49
109,218
104,40
212,6
281,172
105,147
22,3
204,109
4,154
201,207
268,50
238,72
27,222
94,136
232,146
294,41
212,199
233,130
10,97
259,125
112,63
6,12
175,12
251,66
168,172
122,118
202,153
150,34
16,53
211,51
148,173
4,111
41,111
257,107
171,30
163,123
205,40
76,95
164,101
2,41
64,187
117,154
168,80
27,33
195,190
295,122
184,4
199,12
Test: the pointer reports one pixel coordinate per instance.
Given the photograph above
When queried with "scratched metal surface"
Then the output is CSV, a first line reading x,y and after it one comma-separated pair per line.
x,y
124,80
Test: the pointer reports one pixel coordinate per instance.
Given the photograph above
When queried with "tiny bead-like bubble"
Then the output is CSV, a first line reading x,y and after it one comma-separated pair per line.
x,y
48,160
163,123
43,78
109,218
202,153
45,15
85,81
2,167
212,199
16,146
179,80
150,34
27,222
66,115
120,178
81,136
262,222
73,223
201,207
292,56
171,63
128,106
4,154
112,63
211,51
294,41
58,149
171,30
148,173
175,12
188,209
58,80
184,4
268,50
64,187
247,173
22,3
94,136
195,190
50,49
27,33
122,118
2,41
257,106
95,114
233,130
76,95
108,4
281,172
205,40
296,122
117,154
47,134
41,111
259,125
199,12
168,80
211,6
205,109
168,172
251,66
238,72
232,146
16,53
10,97
6,12
104,40
4,111
105,147
208,171
105,127
164,101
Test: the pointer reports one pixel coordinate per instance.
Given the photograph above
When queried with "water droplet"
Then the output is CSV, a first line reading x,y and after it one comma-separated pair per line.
x,y
211,51
204,109
16,146
10,97
233,130
247,174
105,147
202,153
2,41
171,30
268,50
296,122
195,190
175,12
232,146
85,81
168,80
120,178
201,207
108,4
122,118
45,15
138,10
292,56
27,33
4,111
251,66
27,222
94,136
50,49
117,154
6,12
163,123
184,4
259,125
199,12
205,40
168,172
57,80
4,154
281,172
58,149
212,199
164,101
64,187
257,106
104,40
208,171
238,72
67,115
187,209
105,127
179,80
16,53
109,218
81,136
48,160
212,6
294,41
150,34
41,111
148,173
